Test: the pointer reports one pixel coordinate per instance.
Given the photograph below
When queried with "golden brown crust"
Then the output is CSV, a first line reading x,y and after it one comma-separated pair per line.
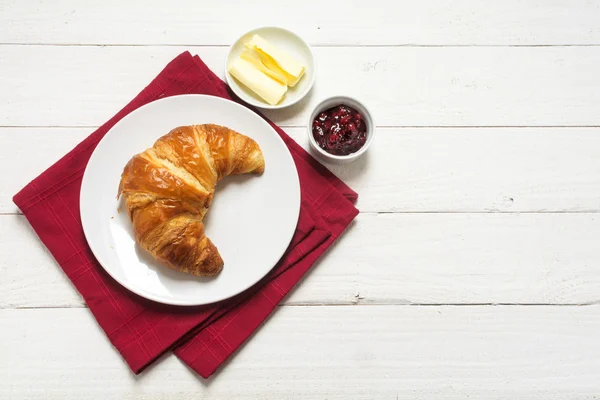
x,y
169,187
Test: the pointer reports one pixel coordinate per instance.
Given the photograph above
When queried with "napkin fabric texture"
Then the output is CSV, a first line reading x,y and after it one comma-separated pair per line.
x,y
142,330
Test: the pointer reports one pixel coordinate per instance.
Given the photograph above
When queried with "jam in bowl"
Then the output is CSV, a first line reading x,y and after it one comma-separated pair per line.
x,y
340,130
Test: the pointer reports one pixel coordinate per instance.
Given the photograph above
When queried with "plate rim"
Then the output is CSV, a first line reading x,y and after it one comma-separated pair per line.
x,y
142,292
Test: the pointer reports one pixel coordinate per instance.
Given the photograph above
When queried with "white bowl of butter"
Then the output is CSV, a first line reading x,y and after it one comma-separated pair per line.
x,y
270,68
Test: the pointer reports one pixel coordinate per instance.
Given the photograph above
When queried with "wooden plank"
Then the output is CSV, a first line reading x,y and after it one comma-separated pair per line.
x,y
188,22
27,152
404,86
389,259
478,170
336,353
407,169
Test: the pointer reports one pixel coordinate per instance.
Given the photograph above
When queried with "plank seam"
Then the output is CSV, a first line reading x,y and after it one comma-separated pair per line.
x,y
433,212
378,126
361,303
322,45
368,212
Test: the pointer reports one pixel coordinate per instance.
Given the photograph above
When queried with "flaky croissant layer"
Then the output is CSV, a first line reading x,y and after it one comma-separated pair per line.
x,y
169,187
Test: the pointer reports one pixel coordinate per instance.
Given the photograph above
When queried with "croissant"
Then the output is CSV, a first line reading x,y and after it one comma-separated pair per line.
x,y
168,188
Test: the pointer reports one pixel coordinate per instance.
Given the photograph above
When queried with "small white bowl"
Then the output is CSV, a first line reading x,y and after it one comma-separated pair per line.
x,y
332,102
286,40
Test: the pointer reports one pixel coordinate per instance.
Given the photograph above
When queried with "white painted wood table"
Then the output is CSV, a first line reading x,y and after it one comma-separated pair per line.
x,y
473,270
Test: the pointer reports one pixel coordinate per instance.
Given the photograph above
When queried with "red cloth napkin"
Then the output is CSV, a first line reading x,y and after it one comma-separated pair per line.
x,y
141,330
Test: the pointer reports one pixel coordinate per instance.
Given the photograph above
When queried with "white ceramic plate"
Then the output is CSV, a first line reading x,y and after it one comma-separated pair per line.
x,y
251,220
286,40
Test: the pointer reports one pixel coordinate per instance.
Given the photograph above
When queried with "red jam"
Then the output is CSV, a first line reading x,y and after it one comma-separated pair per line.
x,y
340,130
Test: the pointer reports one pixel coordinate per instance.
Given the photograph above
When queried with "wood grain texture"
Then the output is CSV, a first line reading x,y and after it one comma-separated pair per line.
x,y
17,148
405,22
458,213
388,259
336,353
423,86
406,169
